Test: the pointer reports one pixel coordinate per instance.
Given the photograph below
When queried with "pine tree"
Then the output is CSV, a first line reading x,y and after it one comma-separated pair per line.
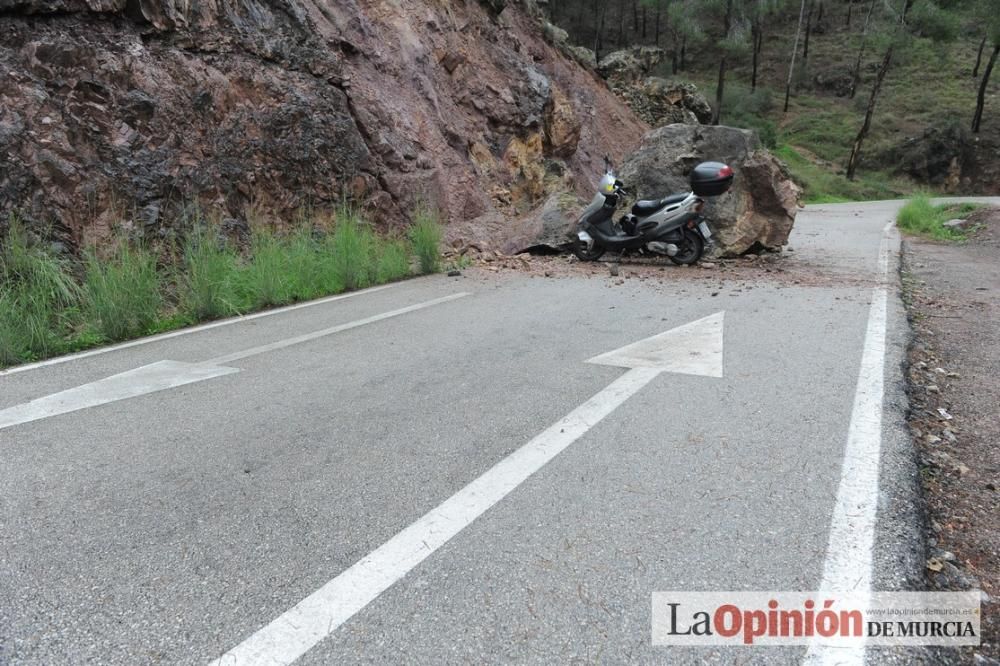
x,y
903,20
986,11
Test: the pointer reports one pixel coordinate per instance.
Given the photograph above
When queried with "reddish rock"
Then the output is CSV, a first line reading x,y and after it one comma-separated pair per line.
x,y
291,103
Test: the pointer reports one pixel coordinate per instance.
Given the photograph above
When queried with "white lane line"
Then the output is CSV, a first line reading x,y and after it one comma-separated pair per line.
x,y
848,565
186,331
147,379
307,623
281,344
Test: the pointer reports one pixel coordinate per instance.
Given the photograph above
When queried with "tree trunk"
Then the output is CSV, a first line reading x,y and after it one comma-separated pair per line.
x,y
856,74
600,29
635,16
979,58
757,39
850,10
644,23
657,28
684,46
981,100
852,163
717,111
819,17
809,18
621,23
795,49
753,53
727,26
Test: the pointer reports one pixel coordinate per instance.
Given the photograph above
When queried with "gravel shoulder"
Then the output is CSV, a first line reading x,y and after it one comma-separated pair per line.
x,y
953,300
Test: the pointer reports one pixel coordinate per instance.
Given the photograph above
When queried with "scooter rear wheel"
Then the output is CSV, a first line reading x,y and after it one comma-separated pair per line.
x,y
691,248
583,253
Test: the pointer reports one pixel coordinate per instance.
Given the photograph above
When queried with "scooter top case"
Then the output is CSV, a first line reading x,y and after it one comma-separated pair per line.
x,y
710,179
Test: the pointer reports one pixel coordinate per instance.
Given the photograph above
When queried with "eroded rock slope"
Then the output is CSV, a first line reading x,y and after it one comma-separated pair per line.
x,y
114,109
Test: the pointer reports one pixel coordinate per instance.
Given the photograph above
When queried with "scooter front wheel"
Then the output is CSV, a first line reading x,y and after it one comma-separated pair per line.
x,y
584,253
691,248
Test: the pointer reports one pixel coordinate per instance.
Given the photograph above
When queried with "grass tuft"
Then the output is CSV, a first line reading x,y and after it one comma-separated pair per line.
x,y
426,235
921,216
263,281
393,261
38,298
122,296
208,283
351,251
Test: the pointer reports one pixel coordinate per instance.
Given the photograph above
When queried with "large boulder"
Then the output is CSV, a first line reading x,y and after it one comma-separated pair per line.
x,y
631,63
584,56
547,227
661,102
836,81
756,214
940,156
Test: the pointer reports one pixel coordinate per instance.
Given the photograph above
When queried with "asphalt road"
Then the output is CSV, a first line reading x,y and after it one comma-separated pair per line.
x,y
171,526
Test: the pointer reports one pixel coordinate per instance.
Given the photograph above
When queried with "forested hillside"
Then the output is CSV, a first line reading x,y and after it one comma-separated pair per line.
x,y
862,98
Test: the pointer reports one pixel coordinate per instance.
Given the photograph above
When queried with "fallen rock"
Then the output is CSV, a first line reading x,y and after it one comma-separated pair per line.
x,y
941,156
554,34
957,223
582,55
660,102
546,228
630,63
838,82
756,214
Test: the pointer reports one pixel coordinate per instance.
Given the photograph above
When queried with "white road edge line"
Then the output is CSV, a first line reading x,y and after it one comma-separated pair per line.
x,y
186,331
294,632
306,337
848,565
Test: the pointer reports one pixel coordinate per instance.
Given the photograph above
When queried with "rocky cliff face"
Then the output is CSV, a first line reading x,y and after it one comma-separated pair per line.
x,y
143,105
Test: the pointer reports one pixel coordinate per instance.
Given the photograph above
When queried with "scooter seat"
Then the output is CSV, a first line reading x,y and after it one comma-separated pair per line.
x,y
648,207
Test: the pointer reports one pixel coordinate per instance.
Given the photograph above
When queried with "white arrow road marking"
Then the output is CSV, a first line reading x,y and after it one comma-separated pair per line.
x,y
314,618
691,349
848,565
168,374
147,379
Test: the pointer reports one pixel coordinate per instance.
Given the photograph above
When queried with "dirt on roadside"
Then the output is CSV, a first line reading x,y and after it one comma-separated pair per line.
x,y
781,269
953,299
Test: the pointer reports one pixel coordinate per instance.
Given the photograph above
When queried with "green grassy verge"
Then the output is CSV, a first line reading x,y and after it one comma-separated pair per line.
x,y
921,216
821,185
51,305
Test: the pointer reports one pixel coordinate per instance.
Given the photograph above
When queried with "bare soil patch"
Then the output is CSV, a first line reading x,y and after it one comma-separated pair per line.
x,y
953,299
